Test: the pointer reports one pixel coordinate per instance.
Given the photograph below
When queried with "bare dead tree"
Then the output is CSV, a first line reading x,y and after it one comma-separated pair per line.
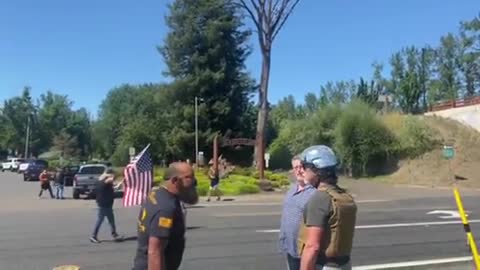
x,y
268,16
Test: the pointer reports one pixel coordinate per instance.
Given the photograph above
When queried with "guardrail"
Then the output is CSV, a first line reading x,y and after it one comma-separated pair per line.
x,y
457,103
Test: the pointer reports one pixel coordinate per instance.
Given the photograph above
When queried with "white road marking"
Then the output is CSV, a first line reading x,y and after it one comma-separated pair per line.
x,y
248,214
214,204
394,225
413,263
446,214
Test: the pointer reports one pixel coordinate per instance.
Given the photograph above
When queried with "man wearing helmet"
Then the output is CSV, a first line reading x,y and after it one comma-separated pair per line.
x,y
326,235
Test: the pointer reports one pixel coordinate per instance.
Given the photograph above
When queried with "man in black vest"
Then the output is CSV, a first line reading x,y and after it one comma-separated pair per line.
x,y
161,223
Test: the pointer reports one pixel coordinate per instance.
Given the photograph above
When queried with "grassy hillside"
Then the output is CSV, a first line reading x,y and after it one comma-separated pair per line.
x,y
431,169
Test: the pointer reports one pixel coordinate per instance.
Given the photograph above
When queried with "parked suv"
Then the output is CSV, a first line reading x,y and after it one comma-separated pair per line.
x,y
30,162
12,164
32,173
86,179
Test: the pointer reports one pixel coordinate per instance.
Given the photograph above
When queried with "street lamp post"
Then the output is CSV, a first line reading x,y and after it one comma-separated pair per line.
x,y
196,129
27,137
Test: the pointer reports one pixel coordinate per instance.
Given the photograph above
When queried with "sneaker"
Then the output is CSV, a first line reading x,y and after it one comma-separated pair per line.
x,y
94,240
117,237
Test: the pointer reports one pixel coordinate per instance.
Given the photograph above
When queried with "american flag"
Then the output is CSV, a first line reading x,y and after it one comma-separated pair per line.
x,y
138,179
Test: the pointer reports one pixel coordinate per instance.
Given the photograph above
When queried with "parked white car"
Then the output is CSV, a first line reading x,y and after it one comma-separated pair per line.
x,y
12,164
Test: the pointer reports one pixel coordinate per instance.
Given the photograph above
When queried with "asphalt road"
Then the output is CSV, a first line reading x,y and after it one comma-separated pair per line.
x,y
235,235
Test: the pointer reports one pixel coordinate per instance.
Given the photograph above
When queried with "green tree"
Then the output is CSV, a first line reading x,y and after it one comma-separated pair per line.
x,y
469,56
447,59
337,92
425,70
20,112
406,74
285,109
66,145
311,103
126,115
205,52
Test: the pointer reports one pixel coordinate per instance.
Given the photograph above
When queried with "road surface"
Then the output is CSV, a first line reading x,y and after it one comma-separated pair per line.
x,y
393,226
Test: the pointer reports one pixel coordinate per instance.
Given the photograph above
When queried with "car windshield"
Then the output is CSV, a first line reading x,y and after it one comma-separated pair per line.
x,y
41,162
92,170
73,168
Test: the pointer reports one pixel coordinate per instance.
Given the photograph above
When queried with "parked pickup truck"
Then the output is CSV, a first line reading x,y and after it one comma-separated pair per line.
x,y
86,179
12,164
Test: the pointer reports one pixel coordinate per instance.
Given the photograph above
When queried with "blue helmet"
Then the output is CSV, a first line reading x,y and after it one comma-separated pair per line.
x,y
320,156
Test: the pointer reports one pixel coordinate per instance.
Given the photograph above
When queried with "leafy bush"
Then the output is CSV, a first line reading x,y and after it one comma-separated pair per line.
x,y
296,135
280,155
413,136
247,171
361,137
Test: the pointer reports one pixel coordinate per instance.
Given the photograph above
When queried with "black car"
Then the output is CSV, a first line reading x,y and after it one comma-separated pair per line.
x,y
32,173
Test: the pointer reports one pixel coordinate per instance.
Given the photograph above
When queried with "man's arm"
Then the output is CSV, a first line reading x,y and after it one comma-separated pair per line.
x,y
314,237
159,228
156,260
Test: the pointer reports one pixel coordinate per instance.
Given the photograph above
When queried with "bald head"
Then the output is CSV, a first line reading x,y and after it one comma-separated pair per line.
x,y
177,169
180,180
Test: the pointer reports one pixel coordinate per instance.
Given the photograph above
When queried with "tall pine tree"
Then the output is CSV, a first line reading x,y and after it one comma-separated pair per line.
x,y
205,52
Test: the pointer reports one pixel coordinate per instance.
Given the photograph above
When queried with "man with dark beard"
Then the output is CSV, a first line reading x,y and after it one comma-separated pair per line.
x,y
161,223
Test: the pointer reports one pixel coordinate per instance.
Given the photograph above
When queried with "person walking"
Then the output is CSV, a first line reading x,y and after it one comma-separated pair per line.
x,y
45,183
214,182
161,223
326,233
105,196
292,214
59,183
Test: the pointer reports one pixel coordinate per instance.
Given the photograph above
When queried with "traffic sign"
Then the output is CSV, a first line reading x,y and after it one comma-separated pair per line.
x,y
448,152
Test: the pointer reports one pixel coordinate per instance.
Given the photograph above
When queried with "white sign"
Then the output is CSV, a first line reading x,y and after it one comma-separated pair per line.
x,y
131,151
447,214
267,158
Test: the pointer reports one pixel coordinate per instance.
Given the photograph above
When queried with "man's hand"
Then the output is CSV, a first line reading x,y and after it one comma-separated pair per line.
x,y
156,260
314,237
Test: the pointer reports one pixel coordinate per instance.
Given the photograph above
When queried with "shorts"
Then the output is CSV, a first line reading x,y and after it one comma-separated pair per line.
x,y
347,266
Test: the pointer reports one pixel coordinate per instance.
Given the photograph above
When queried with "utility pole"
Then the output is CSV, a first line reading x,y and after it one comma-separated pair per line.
x,y
27,139
196,131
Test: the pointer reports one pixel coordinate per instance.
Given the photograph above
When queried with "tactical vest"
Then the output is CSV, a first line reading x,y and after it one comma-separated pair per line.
x,y
338,239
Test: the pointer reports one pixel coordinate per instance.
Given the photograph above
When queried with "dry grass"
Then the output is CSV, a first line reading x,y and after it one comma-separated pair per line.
x,y
432,169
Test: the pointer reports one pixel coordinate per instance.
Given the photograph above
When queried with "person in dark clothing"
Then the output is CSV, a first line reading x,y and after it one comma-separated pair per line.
x,y
45,183
59,183
105,196
161,224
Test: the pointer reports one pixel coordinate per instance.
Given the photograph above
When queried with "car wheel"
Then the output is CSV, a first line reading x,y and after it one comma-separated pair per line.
x,y
76,194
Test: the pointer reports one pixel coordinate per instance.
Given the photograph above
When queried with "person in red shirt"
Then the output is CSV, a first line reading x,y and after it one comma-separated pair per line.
x,y
45,184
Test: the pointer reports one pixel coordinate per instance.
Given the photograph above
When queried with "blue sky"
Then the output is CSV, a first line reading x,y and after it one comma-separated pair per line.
x,y
85,48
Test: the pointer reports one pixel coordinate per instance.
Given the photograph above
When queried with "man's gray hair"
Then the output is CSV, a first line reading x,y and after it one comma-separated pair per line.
x,y
297,157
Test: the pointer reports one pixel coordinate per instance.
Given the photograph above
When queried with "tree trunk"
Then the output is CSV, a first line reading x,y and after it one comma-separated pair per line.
x,y
262,112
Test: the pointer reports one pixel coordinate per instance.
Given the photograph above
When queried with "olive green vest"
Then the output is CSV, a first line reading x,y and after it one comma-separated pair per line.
x,y
338,239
